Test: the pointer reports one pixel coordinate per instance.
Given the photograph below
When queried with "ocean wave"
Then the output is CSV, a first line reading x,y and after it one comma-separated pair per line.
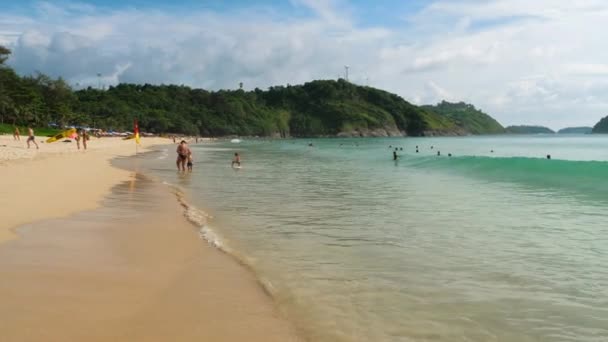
x,y
164,154
579,176
200,219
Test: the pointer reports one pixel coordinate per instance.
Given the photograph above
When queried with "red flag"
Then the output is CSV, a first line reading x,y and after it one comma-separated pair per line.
x,y
136,131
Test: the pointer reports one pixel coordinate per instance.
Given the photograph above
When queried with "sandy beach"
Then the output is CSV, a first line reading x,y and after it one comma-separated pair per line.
x,y
58,179
91,252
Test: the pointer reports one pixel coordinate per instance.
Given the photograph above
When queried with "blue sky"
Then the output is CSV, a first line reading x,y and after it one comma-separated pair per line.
x,y
533,62
365,12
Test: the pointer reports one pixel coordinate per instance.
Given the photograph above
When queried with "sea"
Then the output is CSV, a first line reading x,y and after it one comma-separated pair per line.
x,y
459,239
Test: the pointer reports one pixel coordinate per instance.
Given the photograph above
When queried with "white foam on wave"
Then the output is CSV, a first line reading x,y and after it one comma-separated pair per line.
x,y
164,154
199,218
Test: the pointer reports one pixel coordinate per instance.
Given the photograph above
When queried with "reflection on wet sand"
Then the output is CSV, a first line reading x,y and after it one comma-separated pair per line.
x,y
133,270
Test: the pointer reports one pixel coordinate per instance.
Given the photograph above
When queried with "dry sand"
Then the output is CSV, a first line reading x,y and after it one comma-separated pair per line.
x,y
96,261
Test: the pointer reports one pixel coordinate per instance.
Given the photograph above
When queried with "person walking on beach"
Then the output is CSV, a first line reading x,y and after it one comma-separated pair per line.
x,y
236,160
31,138
183,151
85,137
16,134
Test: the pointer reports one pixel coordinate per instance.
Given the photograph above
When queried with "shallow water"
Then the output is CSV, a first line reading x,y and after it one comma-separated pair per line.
x,y
495,243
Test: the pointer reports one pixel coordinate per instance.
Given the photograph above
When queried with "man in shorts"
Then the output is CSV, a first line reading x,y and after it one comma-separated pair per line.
x,y
31,137
183,151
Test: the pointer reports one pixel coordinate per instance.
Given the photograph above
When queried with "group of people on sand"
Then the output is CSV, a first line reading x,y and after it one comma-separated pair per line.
x,y
84,136
185,160
31,138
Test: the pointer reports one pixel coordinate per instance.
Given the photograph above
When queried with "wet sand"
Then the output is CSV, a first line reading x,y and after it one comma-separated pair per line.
x,y
58,179
132,270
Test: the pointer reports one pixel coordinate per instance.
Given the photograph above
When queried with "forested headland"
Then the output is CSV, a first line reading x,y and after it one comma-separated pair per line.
x,y
316,108
527,129
601,127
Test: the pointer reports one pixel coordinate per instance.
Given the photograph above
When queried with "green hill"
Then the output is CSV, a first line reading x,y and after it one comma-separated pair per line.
x,y
467,117
575,130
601,126
524,129
317,108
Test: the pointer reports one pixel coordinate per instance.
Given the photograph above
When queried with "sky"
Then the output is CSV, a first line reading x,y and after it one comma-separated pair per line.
x,y
542,62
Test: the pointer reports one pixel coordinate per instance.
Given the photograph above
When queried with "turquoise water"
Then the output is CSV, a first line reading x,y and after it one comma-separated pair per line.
x,y
480,246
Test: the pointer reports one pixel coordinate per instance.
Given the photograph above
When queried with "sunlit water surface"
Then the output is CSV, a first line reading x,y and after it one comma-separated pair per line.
x,y
495,243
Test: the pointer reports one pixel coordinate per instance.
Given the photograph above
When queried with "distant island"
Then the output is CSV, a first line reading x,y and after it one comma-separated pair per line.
x,y
601,126
575,130
524,129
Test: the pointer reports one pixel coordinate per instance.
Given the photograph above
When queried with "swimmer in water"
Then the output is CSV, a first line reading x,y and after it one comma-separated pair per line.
x,y
236,160
438,153
548,156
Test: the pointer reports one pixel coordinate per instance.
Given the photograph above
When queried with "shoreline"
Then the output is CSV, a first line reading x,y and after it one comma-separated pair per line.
x,y
64,264
57,180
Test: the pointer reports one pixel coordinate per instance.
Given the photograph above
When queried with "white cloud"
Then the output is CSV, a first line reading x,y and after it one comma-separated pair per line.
x,y
522,61
587,69
438,93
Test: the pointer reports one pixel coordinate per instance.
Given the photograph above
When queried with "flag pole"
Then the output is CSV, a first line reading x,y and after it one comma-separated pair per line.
x,y
136,134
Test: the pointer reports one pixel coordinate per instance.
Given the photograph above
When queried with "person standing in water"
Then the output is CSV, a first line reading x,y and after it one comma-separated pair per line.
x,y
16,134
190,161
236,160
395,156
31,138
183,151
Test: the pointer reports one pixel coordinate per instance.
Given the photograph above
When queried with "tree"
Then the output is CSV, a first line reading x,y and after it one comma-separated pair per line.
x,y
4,54
322,107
